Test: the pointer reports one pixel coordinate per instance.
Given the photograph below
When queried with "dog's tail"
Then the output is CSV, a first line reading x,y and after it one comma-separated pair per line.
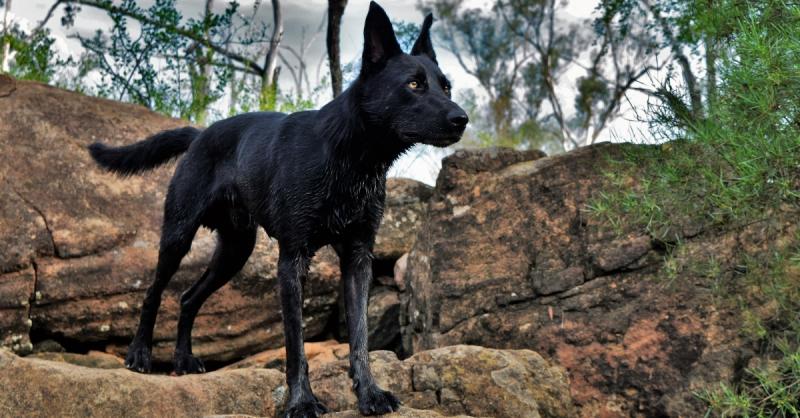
x,y
144,155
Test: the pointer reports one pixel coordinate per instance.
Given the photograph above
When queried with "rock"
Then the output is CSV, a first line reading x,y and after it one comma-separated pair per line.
x,y
406,201
48,346
93,359
400,268
16,290
404,412
93,238
7,85
40,388
507,257
383,318
455,380
459,380
317,353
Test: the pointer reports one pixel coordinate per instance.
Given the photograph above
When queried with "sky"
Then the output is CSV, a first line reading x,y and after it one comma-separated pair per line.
x,y
422,162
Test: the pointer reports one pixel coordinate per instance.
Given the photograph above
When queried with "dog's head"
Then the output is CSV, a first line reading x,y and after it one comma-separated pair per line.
x,y
407,93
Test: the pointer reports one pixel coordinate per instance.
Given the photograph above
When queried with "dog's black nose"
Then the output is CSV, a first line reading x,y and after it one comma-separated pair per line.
x,y
458,118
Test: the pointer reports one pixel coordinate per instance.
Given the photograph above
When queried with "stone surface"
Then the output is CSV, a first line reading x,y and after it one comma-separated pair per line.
x,y
383,318
40,388
317,353
16,291
406,201
508,257
80,245
7,85
460,380
402,413
92,359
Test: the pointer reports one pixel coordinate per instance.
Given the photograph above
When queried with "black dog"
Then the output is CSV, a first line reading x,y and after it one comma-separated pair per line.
x,y
309,179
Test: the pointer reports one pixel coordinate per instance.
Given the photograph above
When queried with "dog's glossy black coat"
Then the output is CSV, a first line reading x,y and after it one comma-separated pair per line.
x,y
309,179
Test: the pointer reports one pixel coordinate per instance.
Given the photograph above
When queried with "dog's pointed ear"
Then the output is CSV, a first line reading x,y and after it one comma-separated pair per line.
x,y
380,43
423,45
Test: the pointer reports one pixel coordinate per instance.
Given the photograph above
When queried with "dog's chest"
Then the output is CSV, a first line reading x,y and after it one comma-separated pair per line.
x,y
353,202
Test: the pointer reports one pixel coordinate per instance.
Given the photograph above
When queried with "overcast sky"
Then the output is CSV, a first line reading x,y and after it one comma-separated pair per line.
x,y
309,15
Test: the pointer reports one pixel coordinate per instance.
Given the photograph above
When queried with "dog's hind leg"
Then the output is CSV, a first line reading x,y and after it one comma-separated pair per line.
x,y
234,246
177,232
292,270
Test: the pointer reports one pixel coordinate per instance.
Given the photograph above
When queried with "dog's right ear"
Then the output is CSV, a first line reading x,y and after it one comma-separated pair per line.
x,y
380,43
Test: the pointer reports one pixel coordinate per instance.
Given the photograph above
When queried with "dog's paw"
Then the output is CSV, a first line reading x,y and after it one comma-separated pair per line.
x,y
312,408
376,401
187,364
138,358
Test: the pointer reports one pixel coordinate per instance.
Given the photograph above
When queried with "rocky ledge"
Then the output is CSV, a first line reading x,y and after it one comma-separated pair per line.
x,y
458,380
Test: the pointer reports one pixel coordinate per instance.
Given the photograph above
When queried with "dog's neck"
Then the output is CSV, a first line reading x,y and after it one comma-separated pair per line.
x,y
354,143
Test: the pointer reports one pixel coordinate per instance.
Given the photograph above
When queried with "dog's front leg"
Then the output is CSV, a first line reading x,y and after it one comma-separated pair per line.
x,y
292,269
356,266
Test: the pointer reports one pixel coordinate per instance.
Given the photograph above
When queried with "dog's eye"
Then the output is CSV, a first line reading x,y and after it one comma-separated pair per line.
x,y
447,90
413,85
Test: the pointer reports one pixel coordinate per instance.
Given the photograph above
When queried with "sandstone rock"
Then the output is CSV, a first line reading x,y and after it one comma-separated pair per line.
x,y
402,413
16,290
459,380
317,353
406,200
40,388
7,85
400,268
455,380
383,318
508,257
93,359
94,236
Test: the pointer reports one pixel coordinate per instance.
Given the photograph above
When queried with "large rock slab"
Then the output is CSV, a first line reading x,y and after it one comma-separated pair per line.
x,y
508,257
406,201
80,245
317,354
461,380
40,388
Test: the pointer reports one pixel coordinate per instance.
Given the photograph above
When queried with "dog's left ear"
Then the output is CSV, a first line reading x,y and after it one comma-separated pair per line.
x,y
423,45
380,43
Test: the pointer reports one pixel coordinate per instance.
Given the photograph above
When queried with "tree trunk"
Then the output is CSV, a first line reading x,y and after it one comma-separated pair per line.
x,y
5,46
201,75
269,82
335,12
711,66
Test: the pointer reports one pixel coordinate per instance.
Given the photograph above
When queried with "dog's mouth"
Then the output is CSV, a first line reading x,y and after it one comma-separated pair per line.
x,y
435,140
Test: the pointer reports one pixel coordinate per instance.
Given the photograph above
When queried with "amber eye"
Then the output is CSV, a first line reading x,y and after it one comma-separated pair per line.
x,y
447,90
413,85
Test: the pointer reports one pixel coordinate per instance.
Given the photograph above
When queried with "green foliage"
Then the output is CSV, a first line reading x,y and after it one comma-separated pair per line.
x,y
34,57
737,164
770,303
771,391
155,67
744,158
525,57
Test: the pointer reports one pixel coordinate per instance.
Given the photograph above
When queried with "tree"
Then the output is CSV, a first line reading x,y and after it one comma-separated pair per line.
x,y
335,12
520,51
5,41
689,38
191,48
